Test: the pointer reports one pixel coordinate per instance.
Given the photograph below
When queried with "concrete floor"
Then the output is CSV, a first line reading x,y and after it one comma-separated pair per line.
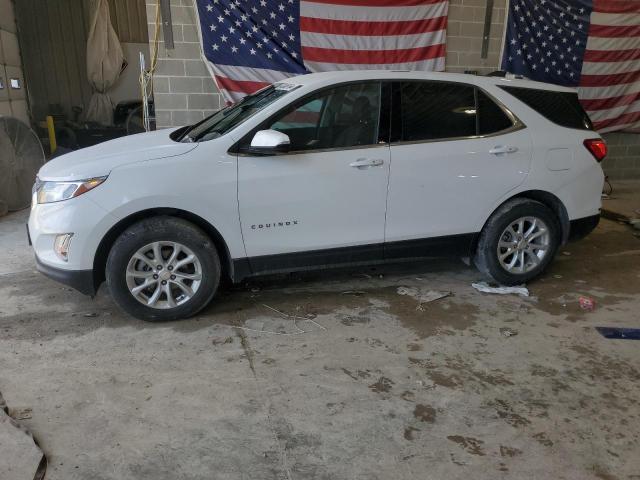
x,y
372,388
624,199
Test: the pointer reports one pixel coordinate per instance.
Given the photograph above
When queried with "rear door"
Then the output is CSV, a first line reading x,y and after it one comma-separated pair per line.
x,y
454,152
324,201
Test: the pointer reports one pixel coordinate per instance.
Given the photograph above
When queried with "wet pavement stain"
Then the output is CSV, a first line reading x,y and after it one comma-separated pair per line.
x,y
506,451
470,444
543,439
505,411
425,413
447,315
409,433
383,385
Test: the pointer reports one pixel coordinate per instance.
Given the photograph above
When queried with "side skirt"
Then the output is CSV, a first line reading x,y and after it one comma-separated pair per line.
x,y
374,254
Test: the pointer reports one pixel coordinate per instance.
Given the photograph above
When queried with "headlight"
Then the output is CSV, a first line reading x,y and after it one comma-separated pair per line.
x,y
48,192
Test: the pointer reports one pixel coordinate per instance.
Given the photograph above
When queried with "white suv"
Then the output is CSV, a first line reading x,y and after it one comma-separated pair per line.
x,y
322,170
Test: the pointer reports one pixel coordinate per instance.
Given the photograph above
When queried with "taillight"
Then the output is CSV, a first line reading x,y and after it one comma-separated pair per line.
x,y
597,147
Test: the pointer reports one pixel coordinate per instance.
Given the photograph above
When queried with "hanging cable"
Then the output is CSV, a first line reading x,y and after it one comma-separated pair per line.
x,y
146,76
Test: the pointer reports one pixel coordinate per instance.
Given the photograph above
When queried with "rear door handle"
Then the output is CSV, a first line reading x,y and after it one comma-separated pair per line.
x,y
497,150
366,162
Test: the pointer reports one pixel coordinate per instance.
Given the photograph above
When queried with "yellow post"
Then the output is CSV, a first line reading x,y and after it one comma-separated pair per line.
x,y
52,134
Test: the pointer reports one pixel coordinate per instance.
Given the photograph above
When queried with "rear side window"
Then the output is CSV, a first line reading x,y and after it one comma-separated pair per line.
x,y
432,110
491,118
440,110
562,108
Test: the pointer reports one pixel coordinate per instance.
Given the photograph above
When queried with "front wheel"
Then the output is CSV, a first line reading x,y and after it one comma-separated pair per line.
x,y
518,242
163,268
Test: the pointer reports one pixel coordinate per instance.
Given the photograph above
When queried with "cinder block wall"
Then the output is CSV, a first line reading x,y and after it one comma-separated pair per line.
x,y
464,36
13,101
623,160
184,92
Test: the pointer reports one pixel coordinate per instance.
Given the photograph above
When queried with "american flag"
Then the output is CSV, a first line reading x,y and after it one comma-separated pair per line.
x,y
249,44
593,45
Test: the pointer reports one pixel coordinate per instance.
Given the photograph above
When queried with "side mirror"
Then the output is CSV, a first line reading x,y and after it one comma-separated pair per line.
x,y
269,142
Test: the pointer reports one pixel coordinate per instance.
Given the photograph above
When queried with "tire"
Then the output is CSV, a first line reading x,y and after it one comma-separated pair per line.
x,y
196,266
488,252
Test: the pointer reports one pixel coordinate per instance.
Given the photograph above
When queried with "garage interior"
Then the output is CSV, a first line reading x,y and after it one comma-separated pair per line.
x,y
52,39
401,371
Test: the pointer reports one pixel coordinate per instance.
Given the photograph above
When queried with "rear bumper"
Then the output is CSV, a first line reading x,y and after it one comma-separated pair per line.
x,y
582,227
80,280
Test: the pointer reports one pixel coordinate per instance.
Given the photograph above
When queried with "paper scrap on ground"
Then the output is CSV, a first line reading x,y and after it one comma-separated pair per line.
x,y
486,288
508,332
21,413
21,458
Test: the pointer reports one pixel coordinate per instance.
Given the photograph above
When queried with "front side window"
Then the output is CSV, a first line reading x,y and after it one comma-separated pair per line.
x,y
232,116
342,117
435,110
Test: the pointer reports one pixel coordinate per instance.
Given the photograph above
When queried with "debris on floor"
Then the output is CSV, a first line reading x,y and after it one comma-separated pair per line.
x,y
615,333
21,457
21,413
285,325
508,332
586,303
484,287
422,298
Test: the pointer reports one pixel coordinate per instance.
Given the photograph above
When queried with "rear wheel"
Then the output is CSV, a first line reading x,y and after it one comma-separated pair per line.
x,y
163,268
518,242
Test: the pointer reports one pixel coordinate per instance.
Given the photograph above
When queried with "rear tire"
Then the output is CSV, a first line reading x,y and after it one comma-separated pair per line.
x,y
163,268
518,242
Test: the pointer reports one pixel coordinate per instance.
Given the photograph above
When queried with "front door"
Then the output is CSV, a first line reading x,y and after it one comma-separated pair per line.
x,y
324,201
456,152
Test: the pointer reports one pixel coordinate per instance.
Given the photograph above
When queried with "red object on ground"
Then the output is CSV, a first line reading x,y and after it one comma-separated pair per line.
x,y
587,303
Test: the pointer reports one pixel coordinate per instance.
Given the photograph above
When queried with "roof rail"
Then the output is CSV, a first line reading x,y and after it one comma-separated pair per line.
x,y
503,74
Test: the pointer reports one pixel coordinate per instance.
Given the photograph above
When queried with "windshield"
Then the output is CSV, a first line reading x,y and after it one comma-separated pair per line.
x,y
230,117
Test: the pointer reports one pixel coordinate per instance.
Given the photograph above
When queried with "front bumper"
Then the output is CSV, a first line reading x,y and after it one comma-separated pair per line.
x,y
87,221
81,280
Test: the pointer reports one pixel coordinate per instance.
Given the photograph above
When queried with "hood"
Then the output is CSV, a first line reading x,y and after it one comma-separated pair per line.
x,y
99,160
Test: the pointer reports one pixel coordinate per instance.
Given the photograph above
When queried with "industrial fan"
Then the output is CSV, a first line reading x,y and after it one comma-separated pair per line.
x,y
21,156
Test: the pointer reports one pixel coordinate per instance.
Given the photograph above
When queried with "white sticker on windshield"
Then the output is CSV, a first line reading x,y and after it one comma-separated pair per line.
x,y
287,87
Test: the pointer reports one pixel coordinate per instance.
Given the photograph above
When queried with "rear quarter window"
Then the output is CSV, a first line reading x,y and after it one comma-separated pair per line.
x,y
561,108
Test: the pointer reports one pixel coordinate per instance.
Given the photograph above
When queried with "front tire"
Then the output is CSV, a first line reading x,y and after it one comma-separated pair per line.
x,y
163,268
518,242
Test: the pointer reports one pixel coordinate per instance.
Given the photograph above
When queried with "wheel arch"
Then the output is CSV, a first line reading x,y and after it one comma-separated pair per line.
x,y
550,201
104,247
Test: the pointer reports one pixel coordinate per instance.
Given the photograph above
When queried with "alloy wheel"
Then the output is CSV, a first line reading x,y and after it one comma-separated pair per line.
x,y
523,245
163,275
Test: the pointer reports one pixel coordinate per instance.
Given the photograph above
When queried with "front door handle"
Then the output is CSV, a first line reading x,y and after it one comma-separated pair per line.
x,y
366,162
497,150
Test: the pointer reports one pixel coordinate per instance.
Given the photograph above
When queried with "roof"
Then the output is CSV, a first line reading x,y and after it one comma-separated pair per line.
x,y
328,78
